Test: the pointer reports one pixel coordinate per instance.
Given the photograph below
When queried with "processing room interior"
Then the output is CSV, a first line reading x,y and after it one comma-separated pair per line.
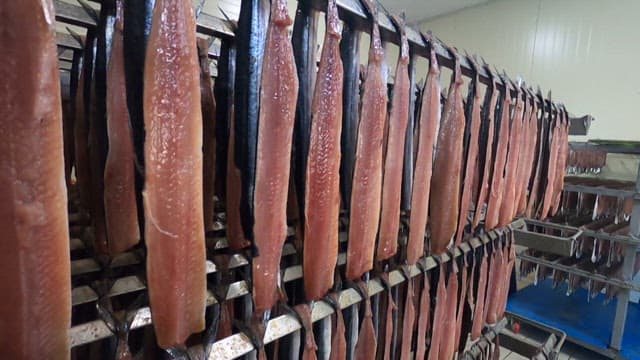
x,y
319,179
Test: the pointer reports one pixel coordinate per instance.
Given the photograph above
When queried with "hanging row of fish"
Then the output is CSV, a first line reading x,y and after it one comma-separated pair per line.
x,y
153,146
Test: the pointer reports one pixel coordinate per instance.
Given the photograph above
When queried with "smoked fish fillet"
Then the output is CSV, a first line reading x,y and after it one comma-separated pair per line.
x,y
448,331
394,156
423,318
235,234
174,226
445,198
408,319
547,200
478,311
427,126
366,344
35,279
322,190
497,177
208,104
278,97
439,316
471,159
338,341
563,148
491,99
508,205
367,175
121,211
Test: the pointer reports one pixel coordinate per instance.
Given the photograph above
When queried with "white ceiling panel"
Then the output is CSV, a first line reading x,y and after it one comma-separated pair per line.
x,y
418,11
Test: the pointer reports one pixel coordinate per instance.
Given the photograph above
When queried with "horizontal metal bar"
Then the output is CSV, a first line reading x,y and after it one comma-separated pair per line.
x,y
240,344
599,190
72,14
67,41
210,25
582,273
588,233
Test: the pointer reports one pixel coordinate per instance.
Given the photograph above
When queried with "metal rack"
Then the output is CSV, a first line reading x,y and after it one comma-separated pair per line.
x,y
354,15
565,246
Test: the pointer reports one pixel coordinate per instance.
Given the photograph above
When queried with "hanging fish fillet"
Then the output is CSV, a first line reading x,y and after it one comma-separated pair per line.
x,y
35,279
208,105
120,206
488,117
366,345
529,161
447,342
465,283
174,228
408,322
497,175
507,206
444,205
547,200
322,197
494,286
388,322
277,111
81,129
478,312
309,348
427,125
439,317
510,259
539,157
394,155
563,148
338,341
367,174
423,318
471,157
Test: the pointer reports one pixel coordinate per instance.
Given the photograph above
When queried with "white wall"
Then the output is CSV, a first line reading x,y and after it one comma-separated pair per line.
x,y
586,51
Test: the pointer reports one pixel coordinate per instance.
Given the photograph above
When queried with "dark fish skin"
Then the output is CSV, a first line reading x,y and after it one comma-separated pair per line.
x,y
349,50
486,157
81,125
223,93
250,40
409,143
137,26
304,50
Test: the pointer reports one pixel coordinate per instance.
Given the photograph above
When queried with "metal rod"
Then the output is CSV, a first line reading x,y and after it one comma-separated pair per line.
x,y
239,344
575,271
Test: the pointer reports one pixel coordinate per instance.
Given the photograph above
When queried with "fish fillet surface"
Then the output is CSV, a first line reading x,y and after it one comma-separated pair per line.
x,y
444,204
121,211
492,95
174,226
427,126
367,175
35,279
277,111
508,205
424,312
471,161
494,201
322,197
394,158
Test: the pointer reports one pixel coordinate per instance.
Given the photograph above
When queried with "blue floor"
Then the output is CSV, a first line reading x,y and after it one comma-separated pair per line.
x,y
589,322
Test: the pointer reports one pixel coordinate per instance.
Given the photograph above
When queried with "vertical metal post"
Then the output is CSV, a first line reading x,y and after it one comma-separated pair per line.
x,y
627,266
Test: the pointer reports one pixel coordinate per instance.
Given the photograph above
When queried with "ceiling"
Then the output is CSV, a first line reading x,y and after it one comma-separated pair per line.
x,y
418,11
